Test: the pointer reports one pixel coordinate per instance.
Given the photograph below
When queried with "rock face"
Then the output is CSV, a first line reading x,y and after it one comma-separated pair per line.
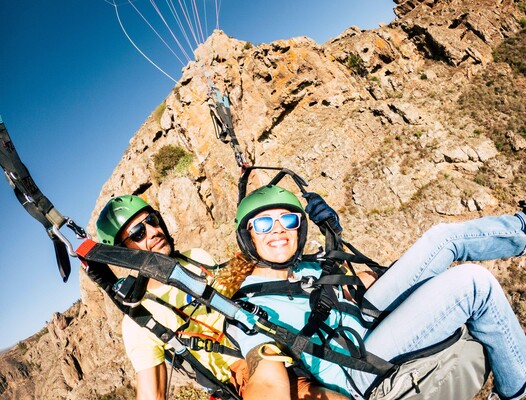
x,y
389,125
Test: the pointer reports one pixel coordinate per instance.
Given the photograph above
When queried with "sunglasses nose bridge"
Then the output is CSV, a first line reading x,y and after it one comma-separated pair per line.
x,y
278,223
150,229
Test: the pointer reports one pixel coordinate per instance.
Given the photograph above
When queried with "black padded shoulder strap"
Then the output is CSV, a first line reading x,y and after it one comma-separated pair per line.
x,y
161,268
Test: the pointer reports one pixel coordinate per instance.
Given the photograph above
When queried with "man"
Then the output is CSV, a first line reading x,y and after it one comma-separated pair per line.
x,y
131,222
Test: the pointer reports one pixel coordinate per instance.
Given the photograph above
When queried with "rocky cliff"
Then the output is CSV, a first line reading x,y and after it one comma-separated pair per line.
x,y
399,127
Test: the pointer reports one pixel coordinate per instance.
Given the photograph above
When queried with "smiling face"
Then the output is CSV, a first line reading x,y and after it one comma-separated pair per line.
x,y
279,244
153,240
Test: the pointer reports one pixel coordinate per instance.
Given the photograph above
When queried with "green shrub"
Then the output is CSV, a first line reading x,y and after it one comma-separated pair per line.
x,y
355,63
495,98
512,51
22,346
190,393
122,393
158,112
171,158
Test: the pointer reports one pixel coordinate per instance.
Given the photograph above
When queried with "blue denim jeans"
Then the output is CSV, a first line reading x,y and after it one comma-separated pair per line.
x,y
429,302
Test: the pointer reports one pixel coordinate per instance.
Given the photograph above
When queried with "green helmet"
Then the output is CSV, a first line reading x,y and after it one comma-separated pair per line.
x,y
265,198
116,214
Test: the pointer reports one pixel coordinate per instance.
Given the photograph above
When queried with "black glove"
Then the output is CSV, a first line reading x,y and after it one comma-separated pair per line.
x,y
320,212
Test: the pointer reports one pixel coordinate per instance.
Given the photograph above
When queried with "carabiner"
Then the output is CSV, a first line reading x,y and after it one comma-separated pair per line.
x,y
63,239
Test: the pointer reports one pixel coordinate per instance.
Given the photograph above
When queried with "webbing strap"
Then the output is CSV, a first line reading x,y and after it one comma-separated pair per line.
x,y
22,183
205,377
101,274
278,288
367,362
210,346
195,341
32,199
161,268
223,126
145,319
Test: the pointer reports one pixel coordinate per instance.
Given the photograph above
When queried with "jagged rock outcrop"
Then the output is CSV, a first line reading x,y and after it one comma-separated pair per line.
x,y
382,123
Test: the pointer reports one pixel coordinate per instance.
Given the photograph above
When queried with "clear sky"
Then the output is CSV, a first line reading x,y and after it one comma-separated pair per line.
x,y
73,91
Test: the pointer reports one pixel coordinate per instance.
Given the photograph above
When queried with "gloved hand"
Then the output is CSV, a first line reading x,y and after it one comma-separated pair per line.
x,y
320,212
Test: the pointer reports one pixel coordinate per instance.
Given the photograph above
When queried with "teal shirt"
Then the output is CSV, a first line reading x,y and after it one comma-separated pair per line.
x,y
293,313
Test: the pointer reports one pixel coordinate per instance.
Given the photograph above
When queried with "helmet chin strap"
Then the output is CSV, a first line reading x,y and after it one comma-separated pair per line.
x,y
279,266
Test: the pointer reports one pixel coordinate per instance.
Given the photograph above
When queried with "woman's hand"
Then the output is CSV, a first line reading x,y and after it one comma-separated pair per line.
x,y
366,277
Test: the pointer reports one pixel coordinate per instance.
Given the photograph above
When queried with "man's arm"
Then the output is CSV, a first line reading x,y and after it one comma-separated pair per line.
x,y
151,383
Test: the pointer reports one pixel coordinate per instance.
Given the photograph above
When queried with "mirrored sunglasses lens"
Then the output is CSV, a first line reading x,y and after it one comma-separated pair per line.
x,y
290,221
263,224
137,233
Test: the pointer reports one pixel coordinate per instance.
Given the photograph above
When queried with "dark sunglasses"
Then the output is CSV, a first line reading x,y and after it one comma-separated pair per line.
x,y
138,231
289,221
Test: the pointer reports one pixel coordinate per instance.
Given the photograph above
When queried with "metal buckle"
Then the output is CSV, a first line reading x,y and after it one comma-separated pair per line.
x,y
197,343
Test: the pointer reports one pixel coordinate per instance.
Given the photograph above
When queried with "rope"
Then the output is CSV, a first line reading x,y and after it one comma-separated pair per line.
x,y
137,47
217,13
188,59
186,18
171,7
186,14
198,20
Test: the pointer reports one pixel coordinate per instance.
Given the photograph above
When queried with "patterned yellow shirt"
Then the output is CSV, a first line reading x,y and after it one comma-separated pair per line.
x,y
145,350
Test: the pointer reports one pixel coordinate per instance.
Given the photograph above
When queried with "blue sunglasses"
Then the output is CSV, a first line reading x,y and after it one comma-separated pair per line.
x,y
289,221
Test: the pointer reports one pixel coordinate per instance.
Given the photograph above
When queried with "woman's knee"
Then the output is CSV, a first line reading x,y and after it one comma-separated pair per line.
x,y
442,233
476,274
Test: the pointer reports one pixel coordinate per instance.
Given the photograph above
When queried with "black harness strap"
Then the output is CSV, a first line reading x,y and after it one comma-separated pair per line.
x,y
210,346
101,274
223,126
161,268
32,199
278,288
323,299
195,343
25,188
364,361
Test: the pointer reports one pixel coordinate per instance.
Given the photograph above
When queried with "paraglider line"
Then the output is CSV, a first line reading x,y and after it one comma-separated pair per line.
x,y
186,14
136,47
188,59
197,20
171,6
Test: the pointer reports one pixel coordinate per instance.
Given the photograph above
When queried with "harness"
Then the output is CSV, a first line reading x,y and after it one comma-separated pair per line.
x,y
353,353
127,293
95,259
223,126
168,271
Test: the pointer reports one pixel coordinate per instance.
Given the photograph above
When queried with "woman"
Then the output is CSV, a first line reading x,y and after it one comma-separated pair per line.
x,y
428,301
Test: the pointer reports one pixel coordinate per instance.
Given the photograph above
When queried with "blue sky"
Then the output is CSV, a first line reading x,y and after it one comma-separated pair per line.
x,y
73,91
